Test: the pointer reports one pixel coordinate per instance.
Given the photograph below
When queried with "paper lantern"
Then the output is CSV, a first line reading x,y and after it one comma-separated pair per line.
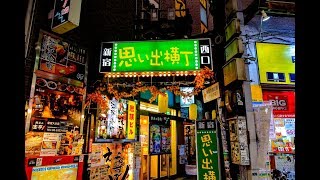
x,y
193,111
214,114
163,102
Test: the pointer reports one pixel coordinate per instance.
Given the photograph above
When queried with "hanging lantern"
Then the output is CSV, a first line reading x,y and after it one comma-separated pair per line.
x,y
193,111
163,102
214,114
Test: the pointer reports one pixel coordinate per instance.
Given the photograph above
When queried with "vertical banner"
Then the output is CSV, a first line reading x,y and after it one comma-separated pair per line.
x,y
131,120
263,115
207,150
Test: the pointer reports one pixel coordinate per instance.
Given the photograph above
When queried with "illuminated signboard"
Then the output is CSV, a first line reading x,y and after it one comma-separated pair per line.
x,y
64,171
175,55
66,15
276,63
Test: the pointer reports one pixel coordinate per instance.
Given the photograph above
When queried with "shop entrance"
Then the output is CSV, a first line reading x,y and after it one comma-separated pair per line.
x,y
162,165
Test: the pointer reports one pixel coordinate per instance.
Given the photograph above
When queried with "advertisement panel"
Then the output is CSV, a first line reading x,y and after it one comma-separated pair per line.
x,y
58,172
140,56
276,63
160,134
211,93
207,150
283,103
113,125
59,58
131,120
54,167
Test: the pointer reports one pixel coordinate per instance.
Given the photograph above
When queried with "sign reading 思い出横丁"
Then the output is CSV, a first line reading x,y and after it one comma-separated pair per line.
x,y
173,55
207,150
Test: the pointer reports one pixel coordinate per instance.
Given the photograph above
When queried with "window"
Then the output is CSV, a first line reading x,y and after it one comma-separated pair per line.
x,y
276,77
292,77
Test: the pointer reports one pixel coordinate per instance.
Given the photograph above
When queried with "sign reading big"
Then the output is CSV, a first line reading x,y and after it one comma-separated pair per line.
x,y
139,56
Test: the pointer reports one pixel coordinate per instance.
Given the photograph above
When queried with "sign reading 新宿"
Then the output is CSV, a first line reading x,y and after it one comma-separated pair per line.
x,y
207,151
144,56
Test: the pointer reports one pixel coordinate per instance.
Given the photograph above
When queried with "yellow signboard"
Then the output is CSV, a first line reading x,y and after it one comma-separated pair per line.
x,y
131,120
256,93
276,63
204,3
180,7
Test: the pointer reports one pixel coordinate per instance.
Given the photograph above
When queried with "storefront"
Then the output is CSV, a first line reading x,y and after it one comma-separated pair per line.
x,y
282,130
144,132
54,120
276,63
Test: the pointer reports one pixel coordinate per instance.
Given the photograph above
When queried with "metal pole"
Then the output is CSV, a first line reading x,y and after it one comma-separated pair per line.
x,y
28,24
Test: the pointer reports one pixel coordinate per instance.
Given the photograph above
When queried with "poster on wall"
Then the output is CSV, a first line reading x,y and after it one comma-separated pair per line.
x,y
188,100
160,134
33,142
55,105
50,144
207,150
114,124
62,59
155,139
110,161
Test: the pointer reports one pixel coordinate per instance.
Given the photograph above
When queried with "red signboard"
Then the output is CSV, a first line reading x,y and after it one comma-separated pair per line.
x,y
54,167
283,103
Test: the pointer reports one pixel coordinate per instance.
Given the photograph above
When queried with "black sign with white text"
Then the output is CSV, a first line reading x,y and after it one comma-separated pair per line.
x,y
106,57
160,119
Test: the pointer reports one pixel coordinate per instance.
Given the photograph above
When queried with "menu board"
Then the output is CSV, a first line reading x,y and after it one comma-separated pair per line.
x,y
61,58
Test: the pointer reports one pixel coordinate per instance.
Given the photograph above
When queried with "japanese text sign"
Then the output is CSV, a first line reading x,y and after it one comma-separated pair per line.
x,y
211,93
160,119
39,125
174,55
207,151
131,120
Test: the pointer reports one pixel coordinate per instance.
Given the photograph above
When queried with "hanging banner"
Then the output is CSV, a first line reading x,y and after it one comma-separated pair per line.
x,y
207,150
131,120
211,93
